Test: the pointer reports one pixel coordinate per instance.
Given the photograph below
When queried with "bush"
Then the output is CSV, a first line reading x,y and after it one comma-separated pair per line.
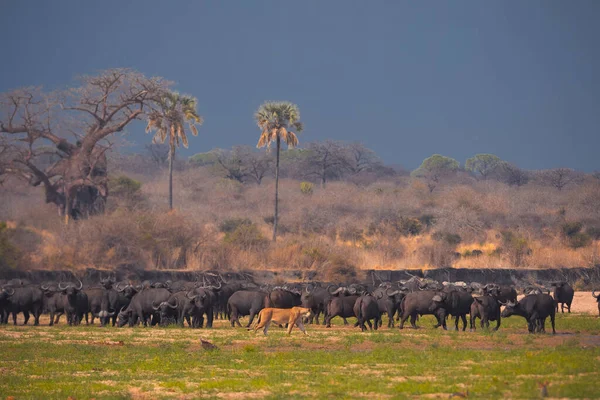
x,y
306,188
246,237
124,186
579,240
351,234
450,238
516,246
230,225
593,232
9,254
570,229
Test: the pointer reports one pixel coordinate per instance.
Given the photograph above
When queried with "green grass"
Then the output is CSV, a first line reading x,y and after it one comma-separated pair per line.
x,y
341,362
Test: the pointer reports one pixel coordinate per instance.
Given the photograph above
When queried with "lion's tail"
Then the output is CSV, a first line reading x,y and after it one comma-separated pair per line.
x,y
255,324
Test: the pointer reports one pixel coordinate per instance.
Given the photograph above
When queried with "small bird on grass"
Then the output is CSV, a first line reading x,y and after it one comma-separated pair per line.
x,y
206,345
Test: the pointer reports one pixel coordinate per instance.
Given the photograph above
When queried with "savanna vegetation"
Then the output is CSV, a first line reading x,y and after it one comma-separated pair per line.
x,y
88,362
338,207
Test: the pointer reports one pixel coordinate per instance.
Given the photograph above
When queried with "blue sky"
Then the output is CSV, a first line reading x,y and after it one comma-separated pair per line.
x,y
520,79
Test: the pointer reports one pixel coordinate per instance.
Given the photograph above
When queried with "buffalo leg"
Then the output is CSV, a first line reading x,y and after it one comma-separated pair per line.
x,y
464,320
413,320
58,315
498,323
26,316
370,325
552,322
345,322
209,318
51,318
14,315
252,315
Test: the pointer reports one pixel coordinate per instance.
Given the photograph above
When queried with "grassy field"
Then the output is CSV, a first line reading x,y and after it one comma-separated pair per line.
x,y
341,362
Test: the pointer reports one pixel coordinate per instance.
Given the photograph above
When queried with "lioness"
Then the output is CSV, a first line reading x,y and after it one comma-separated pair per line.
x,y
291,316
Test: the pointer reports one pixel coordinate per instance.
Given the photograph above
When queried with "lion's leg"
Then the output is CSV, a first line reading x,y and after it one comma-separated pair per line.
x,y
266,327
301,327
291,325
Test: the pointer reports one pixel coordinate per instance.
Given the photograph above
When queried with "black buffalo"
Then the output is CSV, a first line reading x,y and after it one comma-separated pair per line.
x,y
388,301
113,300
341,305
141,307
535,308
245,302
94,296
202,302
487,308
283,298
367,309
77,304
563,294
502,293
316,298
456,303
23,299
416,304
54,301
597,297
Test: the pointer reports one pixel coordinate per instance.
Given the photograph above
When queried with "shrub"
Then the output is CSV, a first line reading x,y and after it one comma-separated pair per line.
x,y
579,240
351,233
9,254
246,237
516,246
231,224
124,186
570,229
593,232
450,238
306,188
428,220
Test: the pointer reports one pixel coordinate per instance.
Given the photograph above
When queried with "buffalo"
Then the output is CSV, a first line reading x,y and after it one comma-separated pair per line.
x,y
316,298
416,304
245,302
456,303
25,299
141,307
54,301
367,309
341,304
487,308
563,294
77,304
113,300
597,297
535,308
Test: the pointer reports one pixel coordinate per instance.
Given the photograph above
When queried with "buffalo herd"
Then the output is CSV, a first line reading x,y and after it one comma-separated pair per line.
x,y
198,303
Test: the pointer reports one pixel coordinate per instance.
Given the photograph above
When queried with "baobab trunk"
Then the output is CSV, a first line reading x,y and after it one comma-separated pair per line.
x,y
276,191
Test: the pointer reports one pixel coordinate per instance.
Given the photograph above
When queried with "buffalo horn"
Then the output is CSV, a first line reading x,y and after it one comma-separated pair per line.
x,y
176,304
80,284
6,289
190,297
594,294
44,287
155,307
61,287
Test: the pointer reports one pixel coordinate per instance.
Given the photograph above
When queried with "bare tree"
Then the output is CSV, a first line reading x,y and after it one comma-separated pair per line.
x,y
159,153
358,158
560,177
325,160
255,164
229,164
102,105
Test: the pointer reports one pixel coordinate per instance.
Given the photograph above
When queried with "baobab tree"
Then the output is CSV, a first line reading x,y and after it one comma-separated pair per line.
x,y
73,126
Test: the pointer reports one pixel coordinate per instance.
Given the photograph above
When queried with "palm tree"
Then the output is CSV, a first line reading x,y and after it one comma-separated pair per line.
x,y
274,120
169,122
